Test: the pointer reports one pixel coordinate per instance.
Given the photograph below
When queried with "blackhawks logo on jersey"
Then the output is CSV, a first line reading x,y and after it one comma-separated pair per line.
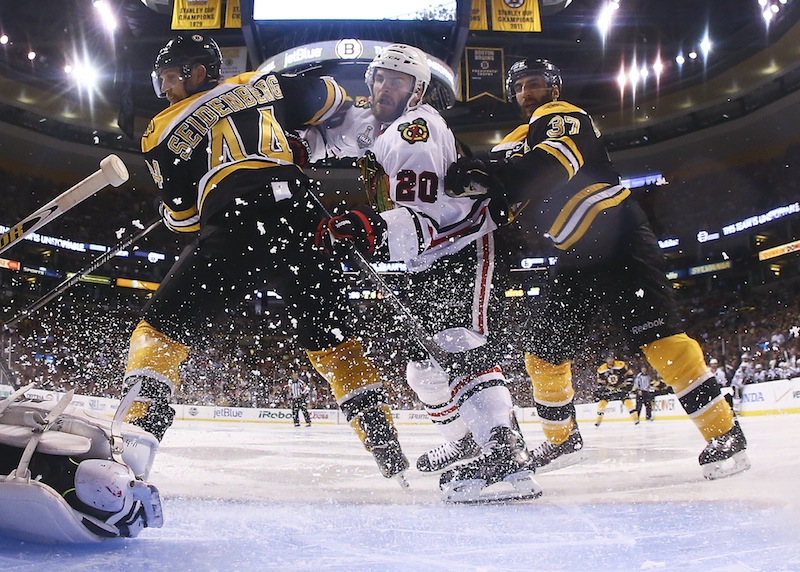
x,y
362,102
414,131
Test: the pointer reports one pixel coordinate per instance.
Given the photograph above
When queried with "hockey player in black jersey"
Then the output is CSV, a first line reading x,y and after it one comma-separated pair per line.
x,y
227,174
608,257
614,383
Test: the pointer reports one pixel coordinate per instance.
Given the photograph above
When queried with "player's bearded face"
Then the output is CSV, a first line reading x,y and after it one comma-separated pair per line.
x,y
390,92
172,85
531,93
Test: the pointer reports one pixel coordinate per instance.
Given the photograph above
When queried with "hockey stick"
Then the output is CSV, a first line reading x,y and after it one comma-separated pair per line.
x,y
112,172
421,335
94,265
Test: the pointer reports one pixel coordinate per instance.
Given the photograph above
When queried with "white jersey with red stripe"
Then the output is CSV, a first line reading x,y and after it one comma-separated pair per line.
x,y
414,152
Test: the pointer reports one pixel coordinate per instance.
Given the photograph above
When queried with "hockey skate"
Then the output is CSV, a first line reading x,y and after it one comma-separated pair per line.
x,y
380,438
504,460
725,455
548,457
446,454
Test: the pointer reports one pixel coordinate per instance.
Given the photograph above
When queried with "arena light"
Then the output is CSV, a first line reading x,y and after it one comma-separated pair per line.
x,y
31,55
658,67
680,60
106,15
85,76
3,39
606,16
705,45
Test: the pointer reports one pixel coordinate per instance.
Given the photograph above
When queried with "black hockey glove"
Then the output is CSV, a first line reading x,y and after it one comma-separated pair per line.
x,y
362,227
470,177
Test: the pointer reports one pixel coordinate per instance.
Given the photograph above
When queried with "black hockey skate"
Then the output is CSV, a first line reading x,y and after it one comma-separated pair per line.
x,y
548,457
505,459
725,455
446,454
380,439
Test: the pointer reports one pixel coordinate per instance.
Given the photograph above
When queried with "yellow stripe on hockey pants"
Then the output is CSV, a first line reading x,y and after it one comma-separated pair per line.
x,y
355,384
679,361
345,367
153,353
552,387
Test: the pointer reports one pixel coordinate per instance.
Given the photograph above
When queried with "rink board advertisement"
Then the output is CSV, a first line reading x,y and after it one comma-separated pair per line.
x,y
773,397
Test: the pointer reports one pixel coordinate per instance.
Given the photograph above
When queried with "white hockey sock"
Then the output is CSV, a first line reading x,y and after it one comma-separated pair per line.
x,y
431,384
488,408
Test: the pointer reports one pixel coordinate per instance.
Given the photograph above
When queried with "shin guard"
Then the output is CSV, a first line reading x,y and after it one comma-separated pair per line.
x,y
679,361
553,395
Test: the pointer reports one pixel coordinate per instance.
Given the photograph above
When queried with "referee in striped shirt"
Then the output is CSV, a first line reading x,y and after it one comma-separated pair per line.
x,y
298,393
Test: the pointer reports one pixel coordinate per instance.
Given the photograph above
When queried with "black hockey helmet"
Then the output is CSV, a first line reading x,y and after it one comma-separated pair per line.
x,y
184,52
529,67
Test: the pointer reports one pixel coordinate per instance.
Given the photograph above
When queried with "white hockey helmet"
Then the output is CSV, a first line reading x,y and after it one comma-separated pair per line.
x,y
406,59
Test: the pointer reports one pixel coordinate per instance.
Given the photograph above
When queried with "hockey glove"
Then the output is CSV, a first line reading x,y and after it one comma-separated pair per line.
x,y
301,151
364,229
470,177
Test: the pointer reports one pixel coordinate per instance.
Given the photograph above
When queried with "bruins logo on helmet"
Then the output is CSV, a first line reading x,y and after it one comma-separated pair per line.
x,y
414,131
362,102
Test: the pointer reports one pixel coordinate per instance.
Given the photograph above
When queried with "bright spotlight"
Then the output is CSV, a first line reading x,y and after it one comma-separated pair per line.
x,y
3,39
31,55
67,69
658,67
622,78
762,3
680,60
705,46
85,76
767,15
106,15
775,8
692,55
605,17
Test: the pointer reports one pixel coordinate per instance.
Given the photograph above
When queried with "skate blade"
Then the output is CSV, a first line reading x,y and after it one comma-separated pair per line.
x,y
721,469
523,487
402,480
563,462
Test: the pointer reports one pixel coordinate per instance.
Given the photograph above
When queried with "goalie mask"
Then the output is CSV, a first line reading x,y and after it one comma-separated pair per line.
x,y
530,67
408,60
184,52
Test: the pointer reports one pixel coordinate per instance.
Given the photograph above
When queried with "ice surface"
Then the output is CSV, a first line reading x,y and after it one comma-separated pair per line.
x,y
275,497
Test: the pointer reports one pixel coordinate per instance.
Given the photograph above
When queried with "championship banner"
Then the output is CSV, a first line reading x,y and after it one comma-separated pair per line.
x,y
233,14
516,16
234,61
196,14
478,19
485,73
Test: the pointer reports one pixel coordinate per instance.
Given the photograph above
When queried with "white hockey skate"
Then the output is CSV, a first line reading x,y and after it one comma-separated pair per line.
x,y
725,455
441,457
504,472
549,457
60,481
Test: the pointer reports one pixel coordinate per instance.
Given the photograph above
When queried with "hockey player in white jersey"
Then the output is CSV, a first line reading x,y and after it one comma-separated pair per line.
x,y
448,246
